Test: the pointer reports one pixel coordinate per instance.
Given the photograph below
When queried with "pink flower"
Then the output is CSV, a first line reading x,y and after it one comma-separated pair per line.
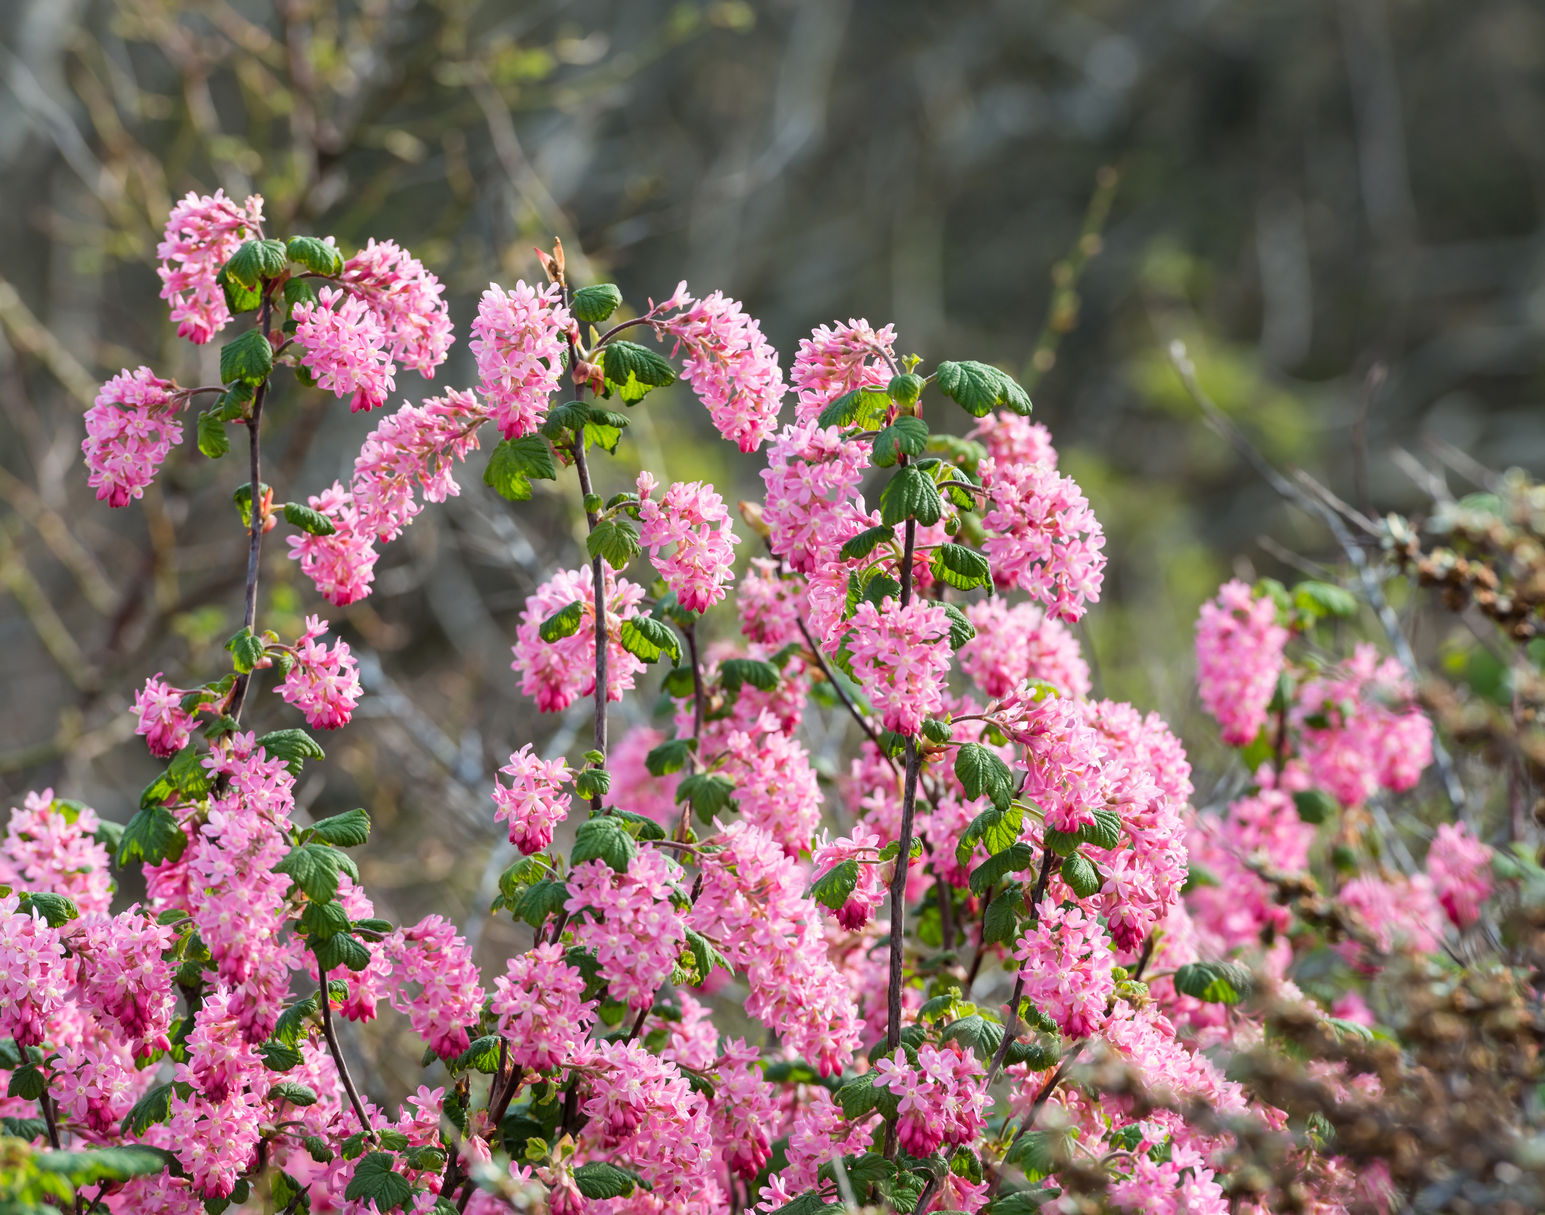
x,y
201,234
161,718
1042,537
345,345
864,847
35,973
535,801
419,447
769,605
556,672
542,1013
406,298
129,430
812,479
1012,438
1018,643
324,683
901,656
775,785
450,997
1239,648
519,341
1460,868
51,845
1066,758
633,925
941,1099
343,564
836,360
123,978
692,517
1065,961
744,1109
729,364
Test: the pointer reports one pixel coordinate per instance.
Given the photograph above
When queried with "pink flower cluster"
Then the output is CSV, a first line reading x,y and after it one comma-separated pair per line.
x,y
1239,655
1065,960
324,681
691,516
900,657
1019,642
534,802
837,359
539,1001
124,976
341,565
1459,866
35,973
555,672
812,479
162,721
942,1099
1066,775
345,344
129,429
201,234
519,340
630,921
1042,538
864,847
729,363
450,997
407,300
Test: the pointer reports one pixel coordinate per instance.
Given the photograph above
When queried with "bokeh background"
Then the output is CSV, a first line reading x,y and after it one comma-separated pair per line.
x,y
1336,204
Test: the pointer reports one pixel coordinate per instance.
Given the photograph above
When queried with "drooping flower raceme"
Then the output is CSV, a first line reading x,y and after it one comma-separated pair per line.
x,y
1042,537
1239,647
129,430
162,719
407,299
435,956
728,362
692,517
324,681
555,672
941,1099
539,1001
1065,961
345,347
518,340
201,234
534,802
900,656
836,359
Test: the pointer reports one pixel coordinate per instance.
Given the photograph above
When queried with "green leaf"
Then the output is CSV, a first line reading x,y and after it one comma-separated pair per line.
x,y
482,1055
983,774
318,1148
319,921
961,567
1041,1153
27,1082
562,623
1314,805
347,830
56,909
105,1164
151,837
911,494
904,437
342,950
632,370
256,260
614,540
998,866
515,463
316,255
592,305
187,774
859,1096
1000,923
734,673
294,746
1104,832
906,388
1321,599
861,545
670,756
314,868
211,434
961,629
154,1107
294,1092
638,826
708,792
866,407
997,827
247,357
246,651
979,388
705,955
648,638
592,783
600,1179
308,520
23,1128
539,900
834,887
375,1181
603,838
238,298
1214,982
1080,874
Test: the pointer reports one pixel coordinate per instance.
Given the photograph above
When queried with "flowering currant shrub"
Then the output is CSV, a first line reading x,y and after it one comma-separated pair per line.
x,y
997,961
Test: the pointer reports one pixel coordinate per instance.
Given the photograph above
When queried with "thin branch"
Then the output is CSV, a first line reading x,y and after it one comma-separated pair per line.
x,y
255,524
337,1052
904,848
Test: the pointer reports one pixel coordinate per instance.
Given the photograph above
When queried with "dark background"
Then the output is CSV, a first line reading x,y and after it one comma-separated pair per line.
x,y
1336,204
